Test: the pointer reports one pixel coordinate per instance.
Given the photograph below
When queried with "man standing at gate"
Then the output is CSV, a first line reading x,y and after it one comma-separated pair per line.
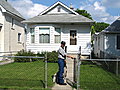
x,y
61,62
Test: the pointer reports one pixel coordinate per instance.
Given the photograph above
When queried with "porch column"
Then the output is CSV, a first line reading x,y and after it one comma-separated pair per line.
x,y
37,35
52,35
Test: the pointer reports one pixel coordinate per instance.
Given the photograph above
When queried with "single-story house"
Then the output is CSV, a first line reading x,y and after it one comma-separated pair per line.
x,y
107,42
55,24
11,29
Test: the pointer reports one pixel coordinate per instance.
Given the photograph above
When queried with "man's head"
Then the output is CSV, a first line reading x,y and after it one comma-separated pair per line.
x,y
63,44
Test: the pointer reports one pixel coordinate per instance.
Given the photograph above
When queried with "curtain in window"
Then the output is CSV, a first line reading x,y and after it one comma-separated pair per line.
x,y
57,39
32,38
57,35
44,38
44,35
32,32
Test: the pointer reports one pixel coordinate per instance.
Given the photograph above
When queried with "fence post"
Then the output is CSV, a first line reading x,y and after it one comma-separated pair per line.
x,y
78,75
46,70
78,68
75,70
117,67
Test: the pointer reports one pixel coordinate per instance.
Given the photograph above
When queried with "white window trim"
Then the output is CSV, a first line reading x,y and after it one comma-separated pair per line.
x,y
60,34
31,34
49,33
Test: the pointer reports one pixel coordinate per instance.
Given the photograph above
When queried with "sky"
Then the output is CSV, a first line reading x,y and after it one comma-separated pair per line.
x,y
101,10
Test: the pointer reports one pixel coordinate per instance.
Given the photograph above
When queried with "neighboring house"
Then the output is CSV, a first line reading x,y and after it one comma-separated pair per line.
x,y
107,42
11,29
59,23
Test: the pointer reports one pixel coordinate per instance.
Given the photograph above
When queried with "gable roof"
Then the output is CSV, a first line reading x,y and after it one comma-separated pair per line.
x,y
71,17
10,9
114,27
58,18
54,5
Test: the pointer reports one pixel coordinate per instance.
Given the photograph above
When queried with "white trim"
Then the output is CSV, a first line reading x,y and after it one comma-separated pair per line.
x,y
54,5
3,9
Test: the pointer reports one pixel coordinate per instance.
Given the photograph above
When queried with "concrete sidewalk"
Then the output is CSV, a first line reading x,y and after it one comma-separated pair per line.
x,y
6,62
69,76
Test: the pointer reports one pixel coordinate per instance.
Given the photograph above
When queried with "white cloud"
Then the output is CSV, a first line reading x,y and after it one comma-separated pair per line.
x,y
98,6
98,12
27,8
111,3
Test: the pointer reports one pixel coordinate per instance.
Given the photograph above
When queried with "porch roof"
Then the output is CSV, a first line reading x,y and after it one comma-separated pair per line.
x,y
59,18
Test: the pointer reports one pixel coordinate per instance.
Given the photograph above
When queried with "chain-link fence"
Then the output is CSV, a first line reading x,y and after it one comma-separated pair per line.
x,y
97,74
26,72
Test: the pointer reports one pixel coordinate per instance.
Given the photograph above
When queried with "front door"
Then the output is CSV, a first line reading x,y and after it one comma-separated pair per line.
x,y
73,39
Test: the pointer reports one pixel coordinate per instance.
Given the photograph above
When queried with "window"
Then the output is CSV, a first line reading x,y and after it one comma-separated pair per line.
x,y
118,41
44,35
19,37
32,32
57,35
59,8
73,39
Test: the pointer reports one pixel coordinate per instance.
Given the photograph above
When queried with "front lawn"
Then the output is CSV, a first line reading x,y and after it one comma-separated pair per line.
x,y
28,75
93,77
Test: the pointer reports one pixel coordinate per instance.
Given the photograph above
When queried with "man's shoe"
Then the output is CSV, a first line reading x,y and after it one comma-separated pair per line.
x,y
62,84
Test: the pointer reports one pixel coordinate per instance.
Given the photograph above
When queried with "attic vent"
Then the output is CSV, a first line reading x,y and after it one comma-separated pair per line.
x,y
59,8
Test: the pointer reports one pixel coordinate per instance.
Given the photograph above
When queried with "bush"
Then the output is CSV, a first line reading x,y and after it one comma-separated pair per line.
x,y
25,53
52,56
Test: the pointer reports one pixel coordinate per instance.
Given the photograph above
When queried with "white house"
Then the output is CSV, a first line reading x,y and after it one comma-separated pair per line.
x,y
107,42
55,24
11,29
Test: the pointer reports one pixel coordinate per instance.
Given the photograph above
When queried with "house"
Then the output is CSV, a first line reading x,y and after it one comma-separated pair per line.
x,y
55,24
107,42
11,29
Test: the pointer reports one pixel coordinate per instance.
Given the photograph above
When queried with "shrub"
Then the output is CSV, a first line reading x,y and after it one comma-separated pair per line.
x,y
25,53
52,56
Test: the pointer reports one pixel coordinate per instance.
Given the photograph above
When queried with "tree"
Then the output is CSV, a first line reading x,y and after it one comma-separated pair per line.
x,y
84,13
99,26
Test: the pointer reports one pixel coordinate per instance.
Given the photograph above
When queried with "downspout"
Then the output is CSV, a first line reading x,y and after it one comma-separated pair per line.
x,y
9,37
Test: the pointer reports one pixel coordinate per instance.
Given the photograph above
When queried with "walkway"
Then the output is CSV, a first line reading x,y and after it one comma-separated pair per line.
x,y
6,62
69,76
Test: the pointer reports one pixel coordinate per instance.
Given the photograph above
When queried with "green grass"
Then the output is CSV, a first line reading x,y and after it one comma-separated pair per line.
x,y
93,77
28,75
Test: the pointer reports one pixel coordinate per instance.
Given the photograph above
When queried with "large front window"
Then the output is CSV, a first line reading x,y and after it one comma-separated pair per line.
x,y
57,35
44,35
32,32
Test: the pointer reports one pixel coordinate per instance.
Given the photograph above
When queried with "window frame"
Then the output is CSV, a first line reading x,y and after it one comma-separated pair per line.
x,y
32,34
117,40
44,35
19,37
57,35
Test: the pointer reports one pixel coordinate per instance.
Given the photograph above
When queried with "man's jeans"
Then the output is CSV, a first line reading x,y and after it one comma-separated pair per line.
x,y
61,71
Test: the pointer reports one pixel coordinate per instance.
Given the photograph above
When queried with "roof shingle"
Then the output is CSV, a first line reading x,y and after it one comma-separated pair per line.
x,y
58,18
9,8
